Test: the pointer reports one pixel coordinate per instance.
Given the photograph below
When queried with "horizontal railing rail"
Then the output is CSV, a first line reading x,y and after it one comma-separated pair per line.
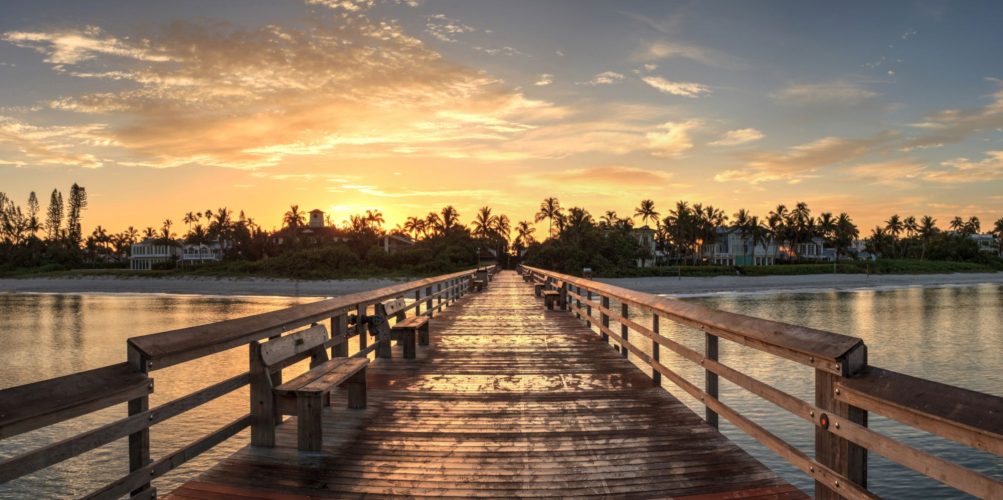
x,y
40,404
846,388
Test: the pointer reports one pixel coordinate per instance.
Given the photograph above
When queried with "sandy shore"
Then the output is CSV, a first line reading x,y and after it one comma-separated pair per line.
x,y
193,285
807,282
664,285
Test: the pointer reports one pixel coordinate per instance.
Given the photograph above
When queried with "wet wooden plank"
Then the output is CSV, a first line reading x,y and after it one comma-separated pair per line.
x,y
510,400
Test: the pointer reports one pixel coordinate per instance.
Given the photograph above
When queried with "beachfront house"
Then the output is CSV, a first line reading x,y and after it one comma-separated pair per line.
x,y
988,243
394,242
734,247
646,239
202,253
152,253
812,250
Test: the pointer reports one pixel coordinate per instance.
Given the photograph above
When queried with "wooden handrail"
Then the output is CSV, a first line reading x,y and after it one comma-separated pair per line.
x,y
817,348
843,396
161,350
40,404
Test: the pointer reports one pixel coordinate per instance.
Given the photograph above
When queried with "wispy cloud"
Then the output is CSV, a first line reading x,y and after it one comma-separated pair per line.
x,y
663,49
72,46
685,89
672,139
738,137
955,125
803,161
598,180
544,79
963,170
835,92
604,78
444,28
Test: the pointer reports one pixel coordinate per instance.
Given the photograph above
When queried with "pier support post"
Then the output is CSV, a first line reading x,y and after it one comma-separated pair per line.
x,y
139,441
605,317
832,451
710,378
339,329
656,376
624,331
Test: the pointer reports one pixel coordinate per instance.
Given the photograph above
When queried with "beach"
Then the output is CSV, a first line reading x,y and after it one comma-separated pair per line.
x,y
686,286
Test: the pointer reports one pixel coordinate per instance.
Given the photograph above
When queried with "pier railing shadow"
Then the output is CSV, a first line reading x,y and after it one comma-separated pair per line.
x,y
846,388
33,406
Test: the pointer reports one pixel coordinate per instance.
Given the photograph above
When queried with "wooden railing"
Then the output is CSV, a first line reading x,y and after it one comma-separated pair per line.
x,y
33,406
846,388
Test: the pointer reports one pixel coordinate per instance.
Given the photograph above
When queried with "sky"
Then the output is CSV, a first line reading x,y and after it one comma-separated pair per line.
x,y
161,108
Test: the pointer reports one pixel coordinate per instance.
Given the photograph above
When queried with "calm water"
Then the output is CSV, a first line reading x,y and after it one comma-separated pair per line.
x,y
953,335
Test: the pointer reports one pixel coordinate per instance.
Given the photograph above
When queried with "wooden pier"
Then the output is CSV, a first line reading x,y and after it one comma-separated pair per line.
x,y
504,384
509,400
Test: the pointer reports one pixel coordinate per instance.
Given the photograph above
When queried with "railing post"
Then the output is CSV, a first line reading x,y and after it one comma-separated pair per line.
x,y
417,302
588,308
562,301
360,327
624,331
578,301
428,300
605,317
832,451
710,378
139,442
339,329
656,376
438,296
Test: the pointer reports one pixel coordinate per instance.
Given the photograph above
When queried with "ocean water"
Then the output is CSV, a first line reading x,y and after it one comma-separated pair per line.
x,y
949,334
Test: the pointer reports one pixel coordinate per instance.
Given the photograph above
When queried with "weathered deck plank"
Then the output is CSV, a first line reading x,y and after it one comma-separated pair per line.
x,y
509,400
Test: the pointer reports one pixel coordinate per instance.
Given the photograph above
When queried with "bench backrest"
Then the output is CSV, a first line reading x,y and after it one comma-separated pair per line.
x,y
390,307
277,350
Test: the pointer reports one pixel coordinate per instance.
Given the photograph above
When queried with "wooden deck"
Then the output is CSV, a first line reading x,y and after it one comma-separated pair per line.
x,y
509,400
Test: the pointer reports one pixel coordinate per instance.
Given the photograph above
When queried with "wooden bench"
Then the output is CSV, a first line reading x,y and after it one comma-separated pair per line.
x,y
406,330
304,396
551,297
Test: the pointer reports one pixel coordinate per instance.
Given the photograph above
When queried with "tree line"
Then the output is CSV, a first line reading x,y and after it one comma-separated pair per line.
x,y
574,239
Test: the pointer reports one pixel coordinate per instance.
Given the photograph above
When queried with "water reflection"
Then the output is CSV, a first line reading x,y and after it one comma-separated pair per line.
x,y
952,335
46,336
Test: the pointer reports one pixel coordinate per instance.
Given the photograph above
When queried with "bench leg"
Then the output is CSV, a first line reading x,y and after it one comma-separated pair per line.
x,y
423,334
308,420
549,301
407,338
383,348
357,390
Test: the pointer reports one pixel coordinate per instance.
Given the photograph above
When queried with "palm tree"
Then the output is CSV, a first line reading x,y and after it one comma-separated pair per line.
x,y
894,228
412,226
998,228
149,232
973,225
646,211
550,209
483,224
957,224
293,219
375,219
844,233
189,218
131,234
523,235
166,228
927,228
450,217
434,223
609,219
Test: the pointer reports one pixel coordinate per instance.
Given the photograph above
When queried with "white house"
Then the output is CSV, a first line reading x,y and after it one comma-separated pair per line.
x,y
646,239
153,251
814,250
988,243
316,218
734,247
201,253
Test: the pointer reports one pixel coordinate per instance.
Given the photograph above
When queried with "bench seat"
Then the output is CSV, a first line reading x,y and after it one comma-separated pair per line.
x,y
304,396
550,298
323,376
405,332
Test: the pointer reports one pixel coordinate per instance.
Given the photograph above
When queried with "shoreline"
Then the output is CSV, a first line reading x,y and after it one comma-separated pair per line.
x,y
672,286
804,283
